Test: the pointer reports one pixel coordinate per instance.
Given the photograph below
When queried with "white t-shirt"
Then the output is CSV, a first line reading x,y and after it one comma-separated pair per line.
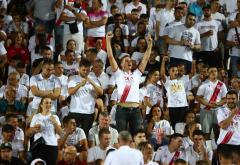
x,y
21,92
70,69
47,128
179,33
76,137
25,80
219,17
44,84
222,114
209,43
163,155
84,100
103,79
79,23
206,90
125,82
64,83
176,93
124,28
103,56
164,125
19,134
125,155
141,6
232,36
169,27
95,153
3,51
164,16
231,5
179,127
98,31
137,56
193,156
155,94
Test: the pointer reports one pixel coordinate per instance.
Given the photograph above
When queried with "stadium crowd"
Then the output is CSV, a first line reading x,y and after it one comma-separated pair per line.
x,y
119,82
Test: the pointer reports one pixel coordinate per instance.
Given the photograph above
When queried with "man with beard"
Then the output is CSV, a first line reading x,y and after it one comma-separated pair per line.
x,y
183,40
228,119
209,30
73,18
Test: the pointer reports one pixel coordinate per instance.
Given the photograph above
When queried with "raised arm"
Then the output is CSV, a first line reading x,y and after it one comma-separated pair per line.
x,y
146,56
162,69
112,61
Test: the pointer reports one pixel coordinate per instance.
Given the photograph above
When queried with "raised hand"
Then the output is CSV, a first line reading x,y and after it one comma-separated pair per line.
x,y
109,36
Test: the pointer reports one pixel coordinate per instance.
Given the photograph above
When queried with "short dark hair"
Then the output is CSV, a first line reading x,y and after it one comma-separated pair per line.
x,y
174,136
225,150
66,119
58,63
180,161
103,131
191,14
134,10
47,48
47,62
198,132
9,116
118,15
69,51
85,63
7,128
178,8
21,65
202,162
113,7
183,3
232,92
92,50
139,130
142,16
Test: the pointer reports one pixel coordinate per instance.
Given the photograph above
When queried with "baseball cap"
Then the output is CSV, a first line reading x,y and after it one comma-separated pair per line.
x,y
6,145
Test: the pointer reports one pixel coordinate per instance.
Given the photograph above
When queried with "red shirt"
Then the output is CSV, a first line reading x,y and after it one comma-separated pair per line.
x,y
23,52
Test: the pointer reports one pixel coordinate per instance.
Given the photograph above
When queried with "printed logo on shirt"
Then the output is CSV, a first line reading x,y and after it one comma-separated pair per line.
x,y
187,36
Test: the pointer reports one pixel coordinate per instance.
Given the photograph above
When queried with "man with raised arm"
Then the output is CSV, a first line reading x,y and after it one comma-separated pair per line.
x,y
127,83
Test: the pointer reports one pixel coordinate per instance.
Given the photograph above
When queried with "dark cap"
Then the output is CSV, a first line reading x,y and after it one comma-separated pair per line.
x,y
206,7
6,145
7,128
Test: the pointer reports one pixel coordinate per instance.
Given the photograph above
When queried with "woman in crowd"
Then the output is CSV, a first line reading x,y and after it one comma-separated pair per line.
x,y
140,49
18,48
119,38
44,126
154,93
157,127
188,133
190,118
71,45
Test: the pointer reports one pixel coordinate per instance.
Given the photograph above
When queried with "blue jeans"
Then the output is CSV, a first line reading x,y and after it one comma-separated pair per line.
x,y
233,63
131,116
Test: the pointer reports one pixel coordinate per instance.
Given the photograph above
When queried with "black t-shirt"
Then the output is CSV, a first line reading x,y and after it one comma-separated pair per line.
x,y
14,161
